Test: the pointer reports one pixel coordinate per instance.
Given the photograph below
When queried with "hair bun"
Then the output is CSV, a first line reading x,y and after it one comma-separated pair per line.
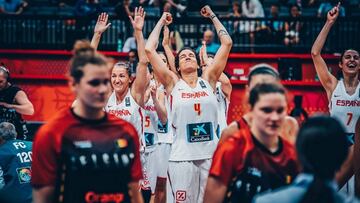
x,y
82,47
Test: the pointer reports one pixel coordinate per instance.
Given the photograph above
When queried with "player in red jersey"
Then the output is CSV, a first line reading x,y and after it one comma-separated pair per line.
x,y
84,154
262,73
254,160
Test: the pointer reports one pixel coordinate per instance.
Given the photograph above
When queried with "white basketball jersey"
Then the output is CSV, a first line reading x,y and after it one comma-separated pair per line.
x,y
150,137
194,119
223,106
344,107
128,110
165,132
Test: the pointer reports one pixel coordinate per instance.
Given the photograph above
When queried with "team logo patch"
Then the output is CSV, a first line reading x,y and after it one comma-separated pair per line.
x,y
122,143
180,195
24,174
127,101
149,139
162,128
202,84
199,132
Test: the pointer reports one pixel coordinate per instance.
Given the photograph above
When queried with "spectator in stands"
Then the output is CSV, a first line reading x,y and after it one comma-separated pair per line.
x,y
211,46
326,6
133,60
293,27
14,7
315,145
15,166
13,103
252,9
130,43
88,8
123,10
274,26
235,12
179,7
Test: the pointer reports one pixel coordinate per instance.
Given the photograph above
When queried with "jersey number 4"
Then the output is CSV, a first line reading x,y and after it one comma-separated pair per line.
x,y
197,108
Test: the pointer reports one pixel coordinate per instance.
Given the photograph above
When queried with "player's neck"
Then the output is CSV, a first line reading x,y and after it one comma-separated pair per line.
x,y
87,112
190,79
121,95
271,142
351,80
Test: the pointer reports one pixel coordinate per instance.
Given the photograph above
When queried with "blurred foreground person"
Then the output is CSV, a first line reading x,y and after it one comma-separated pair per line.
x,y
84,154
317,139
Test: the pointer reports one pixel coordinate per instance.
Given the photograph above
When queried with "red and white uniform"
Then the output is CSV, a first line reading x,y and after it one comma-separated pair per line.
x,y
345,107
194,119
223,108
150,139
128,110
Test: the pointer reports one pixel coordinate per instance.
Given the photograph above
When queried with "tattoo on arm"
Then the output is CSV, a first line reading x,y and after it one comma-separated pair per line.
x,y
222,32
213,16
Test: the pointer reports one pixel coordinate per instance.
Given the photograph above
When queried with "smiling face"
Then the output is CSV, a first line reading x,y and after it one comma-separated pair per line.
x,y
120,78
350,62
187,61
94,86
268,113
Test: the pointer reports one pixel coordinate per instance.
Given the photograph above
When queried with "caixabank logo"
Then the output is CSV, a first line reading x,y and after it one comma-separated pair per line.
x,y
199,132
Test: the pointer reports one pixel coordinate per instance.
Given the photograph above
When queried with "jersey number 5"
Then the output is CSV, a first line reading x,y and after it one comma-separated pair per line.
x,y
350,115
197,108
147,121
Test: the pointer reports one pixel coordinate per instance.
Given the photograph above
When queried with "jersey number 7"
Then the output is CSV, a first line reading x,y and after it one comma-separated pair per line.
x,y
350,115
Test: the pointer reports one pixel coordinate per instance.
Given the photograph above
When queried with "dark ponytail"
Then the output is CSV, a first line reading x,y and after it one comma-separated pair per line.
x,y
322,148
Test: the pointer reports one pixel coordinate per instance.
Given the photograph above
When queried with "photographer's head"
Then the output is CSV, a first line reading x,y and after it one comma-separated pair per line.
x,y
7,132
316,143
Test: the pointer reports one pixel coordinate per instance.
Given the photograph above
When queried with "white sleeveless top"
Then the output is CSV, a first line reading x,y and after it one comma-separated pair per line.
x,y
344,107
128,110
223,107
150,138
194,119
165,132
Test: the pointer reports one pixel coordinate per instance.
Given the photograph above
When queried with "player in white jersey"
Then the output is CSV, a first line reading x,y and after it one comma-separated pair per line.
x,y
343,94
125,102
127,98
193,110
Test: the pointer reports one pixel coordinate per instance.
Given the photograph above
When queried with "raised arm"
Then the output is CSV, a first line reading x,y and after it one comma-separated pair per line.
x,y
168,51
220,59
327,80
226,86
140,83
100,27
161,71
159,103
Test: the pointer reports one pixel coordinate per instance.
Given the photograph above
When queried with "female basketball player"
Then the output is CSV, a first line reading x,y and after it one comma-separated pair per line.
x,y
193,115
255,160
343,94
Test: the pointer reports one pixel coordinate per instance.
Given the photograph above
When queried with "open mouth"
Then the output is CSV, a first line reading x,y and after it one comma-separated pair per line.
x,y
352,65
